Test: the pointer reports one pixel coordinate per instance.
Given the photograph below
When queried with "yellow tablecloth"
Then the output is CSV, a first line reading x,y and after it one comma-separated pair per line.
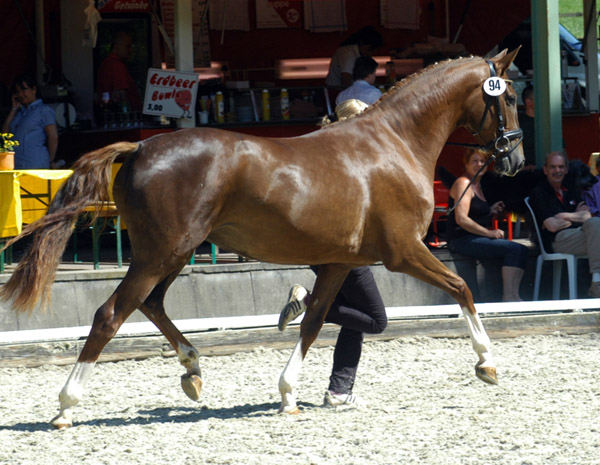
x,y
25,196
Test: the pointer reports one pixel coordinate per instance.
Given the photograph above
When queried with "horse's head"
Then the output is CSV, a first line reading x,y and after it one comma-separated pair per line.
x,y
492,110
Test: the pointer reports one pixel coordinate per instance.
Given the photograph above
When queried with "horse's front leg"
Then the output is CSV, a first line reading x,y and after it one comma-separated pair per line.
x,y
423,265
328,283
107,322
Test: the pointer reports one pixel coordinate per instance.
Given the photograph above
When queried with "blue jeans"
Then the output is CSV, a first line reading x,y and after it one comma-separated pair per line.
x,y
512,253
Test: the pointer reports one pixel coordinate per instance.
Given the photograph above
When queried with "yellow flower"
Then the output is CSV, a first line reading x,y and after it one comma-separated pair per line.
x,y
6,144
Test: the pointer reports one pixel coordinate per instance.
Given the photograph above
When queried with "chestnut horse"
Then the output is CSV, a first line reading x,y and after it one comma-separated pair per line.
x,y
353,193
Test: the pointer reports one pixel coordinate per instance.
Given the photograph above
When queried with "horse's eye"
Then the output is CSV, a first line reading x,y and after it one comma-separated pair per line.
x,y
510,100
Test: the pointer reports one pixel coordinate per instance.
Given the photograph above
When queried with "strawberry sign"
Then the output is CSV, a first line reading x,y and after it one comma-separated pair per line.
x,y
170,93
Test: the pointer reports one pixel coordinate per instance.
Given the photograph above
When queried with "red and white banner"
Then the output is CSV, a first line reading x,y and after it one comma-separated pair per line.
x,y
123,6
170,93
279,13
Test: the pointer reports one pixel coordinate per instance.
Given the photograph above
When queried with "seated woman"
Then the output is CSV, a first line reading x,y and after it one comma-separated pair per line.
x,y
468,227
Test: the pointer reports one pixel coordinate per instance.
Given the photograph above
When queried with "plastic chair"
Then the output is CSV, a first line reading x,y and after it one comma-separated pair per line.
x,y
555,257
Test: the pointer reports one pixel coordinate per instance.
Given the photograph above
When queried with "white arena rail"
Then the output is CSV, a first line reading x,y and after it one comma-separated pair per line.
x,y
258,321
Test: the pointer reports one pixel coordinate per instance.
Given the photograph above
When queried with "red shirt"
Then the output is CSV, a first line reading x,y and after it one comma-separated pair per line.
x,y
114,75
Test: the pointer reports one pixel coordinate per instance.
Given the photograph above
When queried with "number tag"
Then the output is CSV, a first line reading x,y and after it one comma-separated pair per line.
x,y
494,86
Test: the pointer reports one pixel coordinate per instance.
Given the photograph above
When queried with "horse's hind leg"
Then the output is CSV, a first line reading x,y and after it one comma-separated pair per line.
x,y
154,309
328,283
423,265
107,321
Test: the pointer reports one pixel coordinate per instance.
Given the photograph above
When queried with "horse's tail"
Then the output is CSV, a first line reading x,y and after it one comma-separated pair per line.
x,y
32,279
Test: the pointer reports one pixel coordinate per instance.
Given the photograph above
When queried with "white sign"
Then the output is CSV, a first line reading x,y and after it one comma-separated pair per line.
x,y
494,86
170,93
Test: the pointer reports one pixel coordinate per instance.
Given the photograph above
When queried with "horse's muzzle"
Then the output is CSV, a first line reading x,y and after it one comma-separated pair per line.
x,y
511,164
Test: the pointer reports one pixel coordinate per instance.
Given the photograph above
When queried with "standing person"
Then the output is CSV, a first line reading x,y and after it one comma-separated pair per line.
x,y
592,196
527,124
564,219
33,124
362,88
468,226
113,75
362,43
358,308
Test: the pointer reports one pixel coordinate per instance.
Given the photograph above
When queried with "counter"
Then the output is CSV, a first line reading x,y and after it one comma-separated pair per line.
x,y
75,143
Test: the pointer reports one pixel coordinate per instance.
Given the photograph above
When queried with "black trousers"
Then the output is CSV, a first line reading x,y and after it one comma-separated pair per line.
x,y
358,308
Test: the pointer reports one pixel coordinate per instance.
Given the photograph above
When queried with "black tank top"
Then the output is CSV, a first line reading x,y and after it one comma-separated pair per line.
x,y
479,211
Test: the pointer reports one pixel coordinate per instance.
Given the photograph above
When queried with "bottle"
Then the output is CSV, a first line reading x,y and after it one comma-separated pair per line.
x,y
220,107
125,113
266,105
390,72
105,106
285,104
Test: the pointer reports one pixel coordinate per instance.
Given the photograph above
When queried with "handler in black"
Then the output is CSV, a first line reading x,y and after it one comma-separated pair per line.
x,y
358,308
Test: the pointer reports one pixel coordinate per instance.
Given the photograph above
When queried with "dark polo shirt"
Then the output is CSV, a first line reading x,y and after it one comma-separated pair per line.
x,y
546,204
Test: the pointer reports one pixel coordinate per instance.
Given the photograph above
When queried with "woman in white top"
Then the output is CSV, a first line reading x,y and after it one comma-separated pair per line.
x,y
362,43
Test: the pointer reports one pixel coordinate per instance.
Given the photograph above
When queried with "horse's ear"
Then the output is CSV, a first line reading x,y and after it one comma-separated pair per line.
x,y
503,60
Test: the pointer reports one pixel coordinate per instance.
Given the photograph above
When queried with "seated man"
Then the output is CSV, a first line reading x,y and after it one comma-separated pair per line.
x,y
362,89
564,219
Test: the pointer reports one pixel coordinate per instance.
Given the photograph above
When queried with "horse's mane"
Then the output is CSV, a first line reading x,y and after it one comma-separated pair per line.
x,y
392,91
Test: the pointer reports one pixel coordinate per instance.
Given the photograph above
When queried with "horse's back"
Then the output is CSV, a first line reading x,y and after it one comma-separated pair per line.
x,y
300,200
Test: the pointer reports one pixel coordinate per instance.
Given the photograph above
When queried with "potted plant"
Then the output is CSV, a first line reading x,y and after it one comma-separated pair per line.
x,y
7,154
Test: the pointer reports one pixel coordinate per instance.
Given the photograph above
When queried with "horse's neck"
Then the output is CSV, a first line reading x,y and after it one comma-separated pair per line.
x,y
429,108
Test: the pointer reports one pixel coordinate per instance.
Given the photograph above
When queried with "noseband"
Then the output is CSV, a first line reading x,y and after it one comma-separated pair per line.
x,y
502,146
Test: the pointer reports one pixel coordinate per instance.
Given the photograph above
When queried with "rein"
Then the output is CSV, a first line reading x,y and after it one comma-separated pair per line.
x,y
501,145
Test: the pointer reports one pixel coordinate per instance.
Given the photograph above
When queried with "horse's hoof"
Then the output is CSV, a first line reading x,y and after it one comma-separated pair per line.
x,y
191,385
290,411
487,374
59,422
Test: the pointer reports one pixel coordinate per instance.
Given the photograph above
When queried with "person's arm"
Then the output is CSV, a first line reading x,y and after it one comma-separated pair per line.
x,y
554,224
52,140
580,215
347,55
461,212
13,111
547,217
592,200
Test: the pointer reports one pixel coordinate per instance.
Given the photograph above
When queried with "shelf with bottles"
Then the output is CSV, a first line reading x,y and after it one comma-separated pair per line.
x,y
113,111
262,105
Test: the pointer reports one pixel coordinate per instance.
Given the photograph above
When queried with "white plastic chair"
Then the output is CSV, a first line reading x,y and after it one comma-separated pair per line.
x,y
555,257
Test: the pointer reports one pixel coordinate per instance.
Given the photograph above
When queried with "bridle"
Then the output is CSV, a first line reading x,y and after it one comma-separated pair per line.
x,y
502,146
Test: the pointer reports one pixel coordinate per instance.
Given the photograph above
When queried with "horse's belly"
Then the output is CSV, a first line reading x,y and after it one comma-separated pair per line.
x,y
280,243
